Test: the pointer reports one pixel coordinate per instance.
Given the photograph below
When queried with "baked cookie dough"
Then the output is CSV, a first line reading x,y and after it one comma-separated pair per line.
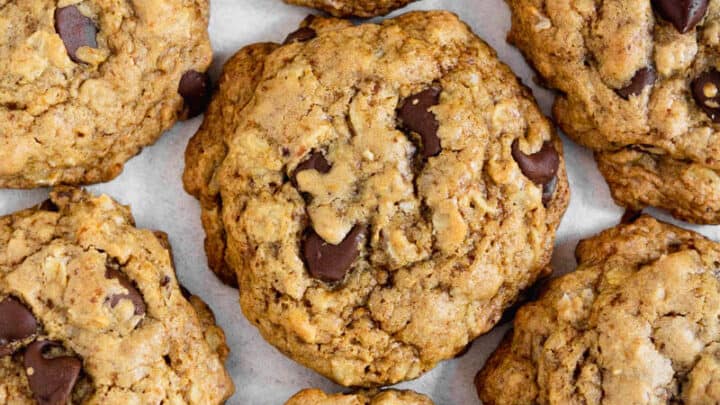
x,y
91,312
638,322
353,8
380,192
638,83
388,397
84,85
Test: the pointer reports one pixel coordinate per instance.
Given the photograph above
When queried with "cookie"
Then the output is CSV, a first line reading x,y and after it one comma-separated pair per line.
x,y
353,8
381,192
637,82
638,322
388,397
84,85
91,312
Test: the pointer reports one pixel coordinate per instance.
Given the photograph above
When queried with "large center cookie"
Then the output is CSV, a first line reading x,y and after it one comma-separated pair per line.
x,y
357,8
91,312
84,85
638,322
380,192
639,84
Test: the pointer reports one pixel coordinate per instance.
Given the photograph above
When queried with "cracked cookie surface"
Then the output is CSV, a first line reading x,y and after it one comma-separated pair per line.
x,y
638,84
387,397
379,192
638,322
91,312
353,8
84,85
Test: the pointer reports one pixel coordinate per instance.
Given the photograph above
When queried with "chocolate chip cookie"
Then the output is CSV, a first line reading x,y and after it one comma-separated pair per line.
x,y
84,85
353,8
638,83
380,192
638,322
91,312
388,397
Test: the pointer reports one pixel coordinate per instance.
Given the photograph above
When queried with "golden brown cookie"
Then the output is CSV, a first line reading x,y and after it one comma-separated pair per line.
x,y
638,83
91,312
353,8
387,397
381,192
638,322
84,85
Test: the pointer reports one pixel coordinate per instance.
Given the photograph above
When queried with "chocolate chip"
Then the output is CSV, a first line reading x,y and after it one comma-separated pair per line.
x,y
195,90
642,78
706,92
111,272
331,262
540,167
75,30
51,379
316,161
16,323
300,35
683,14
415,116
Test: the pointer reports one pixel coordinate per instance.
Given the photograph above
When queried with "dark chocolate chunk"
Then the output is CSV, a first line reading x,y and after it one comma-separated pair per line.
x,y
330,262
415,116
51,379
540,167
195,90
683,14
706,92
316,161
111,272
300,35
75,30
16,323
643,78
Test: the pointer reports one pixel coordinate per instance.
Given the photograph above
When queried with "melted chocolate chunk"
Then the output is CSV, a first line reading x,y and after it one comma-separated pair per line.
x,y
16,323
111,272
683,14
195,90
329,262
415,116
75,30
51,379
643,78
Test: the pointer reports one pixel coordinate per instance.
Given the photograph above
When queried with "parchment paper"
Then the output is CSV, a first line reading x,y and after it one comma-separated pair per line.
x,y
151,184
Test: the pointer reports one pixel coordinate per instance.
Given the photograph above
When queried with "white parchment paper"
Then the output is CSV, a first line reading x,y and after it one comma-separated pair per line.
x,y
152,185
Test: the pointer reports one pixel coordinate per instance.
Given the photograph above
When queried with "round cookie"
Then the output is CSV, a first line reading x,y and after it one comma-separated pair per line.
x,y
353,8
637,82
91,312
84,85
638,322
387,397
381,192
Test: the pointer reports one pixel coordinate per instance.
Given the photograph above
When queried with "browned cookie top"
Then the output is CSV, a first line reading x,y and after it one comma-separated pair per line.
x,y
381,192
91,312
638,322
639,84
85,84
388,397
356,8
